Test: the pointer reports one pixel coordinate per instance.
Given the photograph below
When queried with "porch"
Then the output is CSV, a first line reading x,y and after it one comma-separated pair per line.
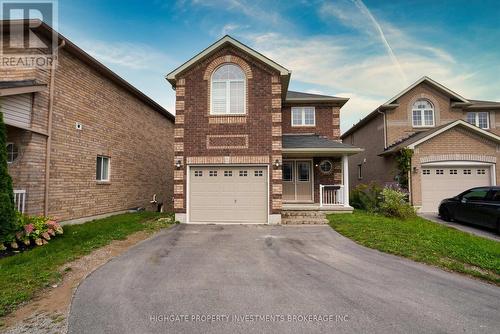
x,y
315,178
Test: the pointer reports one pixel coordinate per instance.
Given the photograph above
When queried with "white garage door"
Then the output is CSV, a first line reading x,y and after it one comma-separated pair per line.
x,y
228,194
439,183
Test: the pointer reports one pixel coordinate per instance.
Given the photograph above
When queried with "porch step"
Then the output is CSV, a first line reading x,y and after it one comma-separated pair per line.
x,y
303,217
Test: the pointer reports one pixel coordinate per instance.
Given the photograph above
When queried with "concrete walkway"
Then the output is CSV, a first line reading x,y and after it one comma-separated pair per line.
x,y
275,279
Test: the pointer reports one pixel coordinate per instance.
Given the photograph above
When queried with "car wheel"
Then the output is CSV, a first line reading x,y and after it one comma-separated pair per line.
x,y
445,215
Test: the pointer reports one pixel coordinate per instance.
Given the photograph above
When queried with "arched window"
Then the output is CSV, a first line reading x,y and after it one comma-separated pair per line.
x,y
423,113
228,90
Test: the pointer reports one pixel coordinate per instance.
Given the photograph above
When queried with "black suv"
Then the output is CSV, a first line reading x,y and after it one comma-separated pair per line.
x,y
478,206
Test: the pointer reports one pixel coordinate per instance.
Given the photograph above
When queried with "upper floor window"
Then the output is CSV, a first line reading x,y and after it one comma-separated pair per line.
x,y
228,90
479,119
422,114
303,116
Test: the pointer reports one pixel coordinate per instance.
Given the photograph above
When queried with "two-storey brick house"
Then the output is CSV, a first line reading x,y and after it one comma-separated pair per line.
x,y
246,148
82,142
454,143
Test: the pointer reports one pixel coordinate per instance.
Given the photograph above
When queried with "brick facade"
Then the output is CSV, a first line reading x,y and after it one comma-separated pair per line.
x,y
116,123
253,138
456,144
444,146
327,121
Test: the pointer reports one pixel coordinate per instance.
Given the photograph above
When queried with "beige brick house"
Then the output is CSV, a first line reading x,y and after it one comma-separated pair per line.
x,y
81,140
246,148
454,141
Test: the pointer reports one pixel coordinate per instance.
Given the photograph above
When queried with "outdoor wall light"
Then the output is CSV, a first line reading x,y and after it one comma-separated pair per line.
x,y
277,163
178,164
415,170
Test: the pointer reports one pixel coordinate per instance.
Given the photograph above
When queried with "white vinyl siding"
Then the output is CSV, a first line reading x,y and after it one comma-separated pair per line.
x,y
479,119
422,114
16,109
303,116
228,90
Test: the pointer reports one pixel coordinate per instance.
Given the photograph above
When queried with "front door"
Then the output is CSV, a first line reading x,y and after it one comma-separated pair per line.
x,y
297,181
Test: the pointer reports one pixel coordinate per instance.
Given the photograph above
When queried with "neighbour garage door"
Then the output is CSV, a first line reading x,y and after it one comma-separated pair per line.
x,y
439,183
228,194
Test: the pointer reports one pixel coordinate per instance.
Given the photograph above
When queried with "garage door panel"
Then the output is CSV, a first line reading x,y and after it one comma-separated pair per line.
x,y
232,194
443,182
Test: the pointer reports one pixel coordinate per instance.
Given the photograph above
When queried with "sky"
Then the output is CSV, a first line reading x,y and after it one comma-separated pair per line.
x,y
365,50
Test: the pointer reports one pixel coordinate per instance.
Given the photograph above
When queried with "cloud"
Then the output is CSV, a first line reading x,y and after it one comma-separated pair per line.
x,y
130,55
358,63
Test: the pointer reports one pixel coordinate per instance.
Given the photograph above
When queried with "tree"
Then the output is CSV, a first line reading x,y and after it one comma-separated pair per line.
x,y
7,210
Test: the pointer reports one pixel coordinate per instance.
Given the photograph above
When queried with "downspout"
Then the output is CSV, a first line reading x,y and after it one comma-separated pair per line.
x,y
49,131
385,127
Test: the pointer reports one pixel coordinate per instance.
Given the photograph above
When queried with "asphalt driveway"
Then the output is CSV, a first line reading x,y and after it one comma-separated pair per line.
x,y
275,279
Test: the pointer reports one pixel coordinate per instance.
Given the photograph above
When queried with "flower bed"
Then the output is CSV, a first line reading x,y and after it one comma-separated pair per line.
x,y
31,231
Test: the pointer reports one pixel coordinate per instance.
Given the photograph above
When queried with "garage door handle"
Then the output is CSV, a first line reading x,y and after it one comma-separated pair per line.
x,y
235,201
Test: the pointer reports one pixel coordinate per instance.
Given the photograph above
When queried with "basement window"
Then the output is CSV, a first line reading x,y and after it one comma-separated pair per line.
x,y
102,168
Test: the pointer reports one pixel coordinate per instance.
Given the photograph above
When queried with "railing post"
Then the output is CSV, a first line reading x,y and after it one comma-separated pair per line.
x,y
345,178
320,195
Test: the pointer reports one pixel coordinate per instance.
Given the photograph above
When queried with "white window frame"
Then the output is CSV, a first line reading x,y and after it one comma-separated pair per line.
x,y
228,93
109,168
14,146
476,118
422,115
303,116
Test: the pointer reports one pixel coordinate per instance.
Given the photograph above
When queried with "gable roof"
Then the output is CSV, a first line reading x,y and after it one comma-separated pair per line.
x,y
44,29
298,97
392,103
433,83
423,136
171,77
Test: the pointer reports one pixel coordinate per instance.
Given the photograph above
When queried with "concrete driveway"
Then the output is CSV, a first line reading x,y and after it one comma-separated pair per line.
x,y
275,279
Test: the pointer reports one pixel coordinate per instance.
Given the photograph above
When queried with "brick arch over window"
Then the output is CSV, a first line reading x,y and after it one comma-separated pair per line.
x,y
228,59
431,99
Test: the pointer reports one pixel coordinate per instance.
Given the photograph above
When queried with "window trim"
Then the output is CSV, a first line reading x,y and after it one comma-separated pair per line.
x,y
109,169
292,174
303,116
325,161
228,88
13,145
422,115
476,118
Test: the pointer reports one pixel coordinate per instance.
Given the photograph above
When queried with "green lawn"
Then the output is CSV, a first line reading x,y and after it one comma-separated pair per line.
x,y
423,241
24,274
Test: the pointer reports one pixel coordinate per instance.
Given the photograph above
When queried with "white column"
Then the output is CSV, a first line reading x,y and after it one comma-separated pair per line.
x,y
345,178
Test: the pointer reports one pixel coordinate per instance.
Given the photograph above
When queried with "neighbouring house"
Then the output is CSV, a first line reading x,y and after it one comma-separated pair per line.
x,y
454,143
246,148
81,140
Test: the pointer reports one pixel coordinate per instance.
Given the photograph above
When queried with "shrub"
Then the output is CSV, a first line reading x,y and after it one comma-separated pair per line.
x,y
36,230
366,197
394,204
7,211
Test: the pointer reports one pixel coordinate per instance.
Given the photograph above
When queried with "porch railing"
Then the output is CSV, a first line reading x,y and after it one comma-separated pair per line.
x,y
20,200
331,194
